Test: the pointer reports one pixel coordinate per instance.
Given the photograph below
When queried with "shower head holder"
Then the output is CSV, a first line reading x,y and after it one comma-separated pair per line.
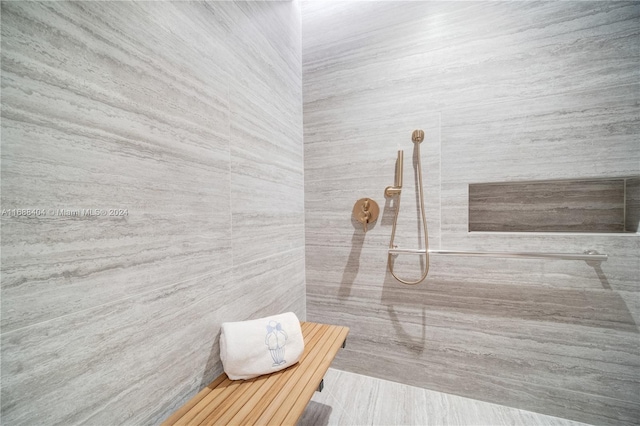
x,y
417,136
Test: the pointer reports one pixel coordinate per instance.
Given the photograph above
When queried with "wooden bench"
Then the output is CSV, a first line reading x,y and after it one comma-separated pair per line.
x,y
273,399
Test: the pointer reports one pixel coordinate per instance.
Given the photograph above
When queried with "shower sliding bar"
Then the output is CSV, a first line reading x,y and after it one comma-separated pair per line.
x,y
587,255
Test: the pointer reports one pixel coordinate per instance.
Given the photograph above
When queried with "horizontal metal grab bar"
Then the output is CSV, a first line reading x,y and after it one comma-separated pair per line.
x,y
409,251
588,255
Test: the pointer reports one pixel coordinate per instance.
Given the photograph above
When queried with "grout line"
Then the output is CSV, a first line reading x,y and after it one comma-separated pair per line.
x,y
304,174
440,177
624,205
273,255
555,234
230,171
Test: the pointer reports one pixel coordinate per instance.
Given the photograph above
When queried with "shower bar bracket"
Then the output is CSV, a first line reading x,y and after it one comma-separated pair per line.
x,y
587,255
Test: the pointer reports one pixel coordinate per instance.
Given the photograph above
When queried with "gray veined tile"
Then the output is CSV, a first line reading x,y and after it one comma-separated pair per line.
x,y
355,399
93,83
269,290
262,234
543,138
540,49
521,92
72,369
129,105
121,174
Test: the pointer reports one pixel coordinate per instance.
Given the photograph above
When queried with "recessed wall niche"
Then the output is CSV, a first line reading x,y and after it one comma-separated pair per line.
x,y
609,205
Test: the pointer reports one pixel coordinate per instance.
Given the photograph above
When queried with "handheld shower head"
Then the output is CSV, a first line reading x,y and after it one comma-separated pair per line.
x,y
417,137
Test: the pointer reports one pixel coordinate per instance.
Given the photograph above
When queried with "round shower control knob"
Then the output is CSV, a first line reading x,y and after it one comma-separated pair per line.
x,y
366,211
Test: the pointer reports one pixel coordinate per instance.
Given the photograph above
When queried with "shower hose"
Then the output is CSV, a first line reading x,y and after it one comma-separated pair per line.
x,y
424,226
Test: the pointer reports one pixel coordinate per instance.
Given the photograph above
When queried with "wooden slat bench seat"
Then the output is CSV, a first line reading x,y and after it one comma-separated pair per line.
x,y
274,399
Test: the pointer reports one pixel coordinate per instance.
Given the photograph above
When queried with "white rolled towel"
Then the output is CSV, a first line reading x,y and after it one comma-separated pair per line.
x,y
252,348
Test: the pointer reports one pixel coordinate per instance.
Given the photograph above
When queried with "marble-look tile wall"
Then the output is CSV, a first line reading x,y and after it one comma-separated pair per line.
x,y
186,115
504,92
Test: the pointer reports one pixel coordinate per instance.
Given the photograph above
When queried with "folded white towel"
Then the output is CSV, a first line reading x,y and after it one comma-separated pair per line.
x,y
253,348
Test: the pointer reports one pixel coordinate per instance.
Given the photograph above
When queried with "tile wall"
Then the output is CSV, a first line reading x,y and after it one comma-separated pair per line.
x,y
188,117
505,92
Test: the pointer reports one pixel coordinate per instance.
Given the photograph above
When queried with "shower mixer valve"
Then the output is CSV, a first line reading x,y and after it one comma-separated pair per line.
x,y
366,211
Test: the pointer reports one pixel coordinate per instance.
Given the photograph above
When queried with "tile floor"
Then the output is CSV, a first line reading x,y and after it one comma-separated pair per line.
x,y
353,399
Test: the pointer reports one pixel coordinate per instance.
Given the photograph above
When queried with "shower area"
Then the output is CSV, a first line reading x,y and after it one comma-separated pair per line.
x,y
254,147
532,93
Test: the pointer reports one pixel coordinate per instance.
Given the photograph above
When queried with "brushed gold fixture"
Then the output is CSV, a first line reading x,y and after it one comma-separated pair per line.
x,y
390,191
417,137
366,211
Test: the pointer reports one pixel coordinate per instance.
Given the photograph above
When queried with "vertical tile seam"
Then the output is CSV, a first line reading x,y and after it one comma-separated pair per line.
x,y
440,177
624,205
230,112
302,148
